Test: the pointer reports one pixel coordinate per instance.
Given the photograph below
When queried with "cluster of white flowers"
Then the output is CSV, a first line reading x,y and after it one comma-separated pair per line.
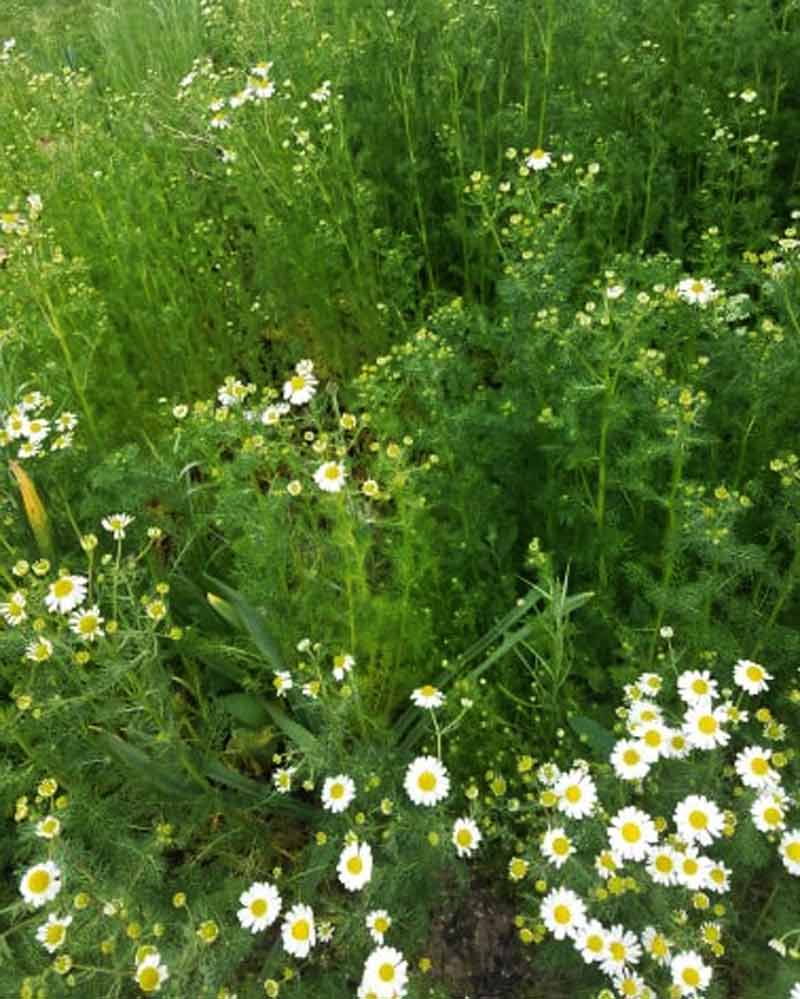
x,y
26,424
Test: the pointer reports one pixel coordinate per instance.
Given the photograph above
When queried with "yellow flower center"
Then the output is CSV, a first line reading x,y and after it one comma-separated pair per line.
x,y
659,947
561,845
691,976
707,724
698,819
426,781
562,914
63,587
301,930
630,757
427,690
690,866
148,978
594,943
699,686
381,924
332,472
664,863
617,950
54,933
386,972
87,624
39,882
698,287
772,815
653,738
464,837
537,154
355,865
759,766
297,382
754,673
793,851
259,907
337,791
631,832
573,794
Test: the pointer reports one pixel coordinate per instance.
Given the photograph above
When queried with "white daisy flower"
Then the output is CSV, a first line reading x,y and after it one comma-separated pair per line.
x,y
355,866
337,793
48,828
676,746
624,950
330,476
39,650
427,696
698,820
693,869
662,865
342,664
385,974
789,850
751,677
298,931
66,421
378,923
116,524
36,430
607,863
272,414
87,624
426,781
702,726
752,766
53,933
302,386
538,160
643,712
151,973
697,291
577,794
631,759
548,774
651,682
66,593
13,610
562,912
632,833
653,735
657,945
719,876
282,682
689,973
282,779
466,837
768,812
233,391
557,847
696,685
40,884
591,942
629,985
261,906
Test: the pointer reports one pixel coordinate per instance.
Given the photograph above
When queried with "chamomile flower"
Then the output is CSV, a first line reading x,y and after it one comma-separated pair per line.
x,y
87,624
607,863
302,386
426,781
630,986
261,906
697,291
632,833
642,712
718,876
703,725
378,923
751,677
65,594
676,746
282,779
577,794
557,847
48,828
330,476
337,793
151,973
53,933
282,682
562,912
40,884
768,811
298,932
693,869
696,685
650,682
466,837
517,868
116,524
789,850
342,664
385,973
654,736
39,650
427,696
662,865
657,945
752,766
355,866
591,942
698,820
13,610
624,950
689,973
538,160
631,759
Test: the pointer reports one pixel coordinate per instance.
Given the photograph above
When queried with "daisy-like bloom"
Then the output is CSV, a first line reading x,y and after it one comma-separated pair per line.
x,y
272,414
66,421
697,291
151,973
607,863
53,933
378,923
662,865
40,884
651,682
355,866
238,99
693,870
282,779
795,993
702,726
330,476
719,877
116,524
632,833
577,793
695,685
39,650
631,759
656,945
557,847
562,912
768,812
261,906
698,820
591,942
789,850
517,868
427,697
751,677
48,828
87,624
466,837
302,386
689,973
298,931
538,160
342,664
630,986
311,689
337,793
426,781
66,593
677,745
370,488
37,430
385,974
233,391
642,712
548,774
624,950
653,735
282,682
13,610
752,766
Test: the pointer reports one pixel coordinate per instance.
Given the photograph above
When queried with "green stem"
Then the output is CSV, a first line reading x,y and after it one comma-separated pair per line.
x,y
669,540
784,594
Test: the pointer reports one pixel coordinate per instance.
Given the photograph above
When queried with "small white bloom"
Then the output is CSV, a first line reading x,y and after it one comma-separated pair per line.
x,y
282,682
591,942
342,664
624,950
298,931
337,793
261,906
302,386
703,725
151,973
631,759
751,677
116,524
426,781
768,811
49,827
557,847
355,866
662,865
66,593
689,973
466,837
698,820
40,884
789,850
53,933
39,650
282,779
87,624
385,974
330,476
538,160
577,794
697,291
632,833
752,766
378,923
427,696
693,869
696,685
562,912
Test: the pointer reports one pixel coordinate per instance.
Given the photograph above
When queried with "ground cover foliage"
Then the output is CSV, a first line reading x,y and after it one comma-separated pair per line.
x,y
400,499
